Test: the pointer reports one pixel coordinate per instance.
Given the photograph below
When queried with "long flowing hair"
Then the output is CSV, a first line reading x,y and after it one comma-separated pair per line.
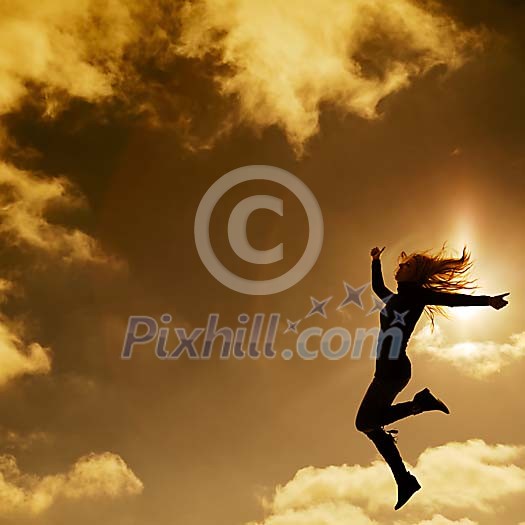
x,y
442,273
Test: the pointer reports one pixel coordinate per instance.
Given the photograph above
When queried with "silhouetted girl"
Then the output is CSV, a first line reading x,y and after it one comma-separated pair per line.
x,y
424,282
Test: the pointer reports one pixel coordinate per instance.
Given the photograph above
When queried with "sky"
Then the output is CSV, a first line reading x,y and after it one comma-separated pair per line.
x,y
406,121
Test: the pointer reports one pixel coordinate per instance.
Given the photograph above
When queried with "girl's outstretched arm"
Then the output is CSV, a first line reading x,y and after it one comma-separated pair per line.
x,y
432,297
378,284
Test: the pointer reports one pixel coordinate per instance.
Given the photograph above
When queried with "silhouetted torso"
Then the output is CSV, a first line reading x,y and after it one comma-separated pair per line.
x,y
401,313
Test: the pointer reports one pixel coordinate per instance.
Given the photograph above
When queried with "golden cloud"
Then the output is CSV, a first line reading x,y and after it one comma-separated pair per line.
x,y
93,476
13,440
67,48
456,477
438,519
16,358
478,359
24,201
280,62
283,60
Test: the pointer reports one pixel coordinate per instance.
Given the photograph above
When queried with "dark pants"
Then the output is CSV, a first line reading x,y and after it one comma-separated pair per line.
x,y
376,410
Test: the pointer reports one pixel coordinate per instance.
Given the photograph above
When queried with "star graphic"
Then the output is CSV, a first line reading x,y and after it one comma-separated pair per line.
x,y
399,317
379,305
292,327
318,307
353,295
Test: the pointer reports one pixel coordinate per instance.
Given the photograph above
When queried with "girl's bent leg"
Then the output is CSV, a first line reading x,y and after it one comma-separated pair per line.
x,y
376,409
398,411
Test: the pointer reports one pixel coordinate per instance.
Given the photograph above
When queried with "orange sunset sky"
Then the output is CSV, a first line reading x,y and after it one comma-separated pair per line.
x,y
405,118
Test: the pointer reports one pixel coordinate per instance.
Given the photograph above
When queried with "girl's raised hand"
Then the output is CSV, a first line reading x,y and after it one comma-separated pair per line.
x,y
376,252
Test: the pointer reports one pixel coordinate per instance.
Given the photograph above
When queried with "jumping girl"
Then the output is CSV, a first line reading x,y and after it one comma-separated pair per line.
x,y
424,282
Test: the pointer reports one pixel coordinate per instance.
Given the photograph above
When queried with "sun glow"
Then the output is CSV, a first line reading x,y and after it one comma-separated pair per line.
x,y
466,313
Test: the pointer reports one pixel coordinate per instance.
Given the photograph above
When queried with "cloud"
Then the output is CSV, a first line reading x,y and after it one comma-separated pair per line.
x,y
24,201
93,476
478,359
328,513
13,440
53,51
467,477
283,60
17,358
278,62
58,48
471,475
438,519
66,48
